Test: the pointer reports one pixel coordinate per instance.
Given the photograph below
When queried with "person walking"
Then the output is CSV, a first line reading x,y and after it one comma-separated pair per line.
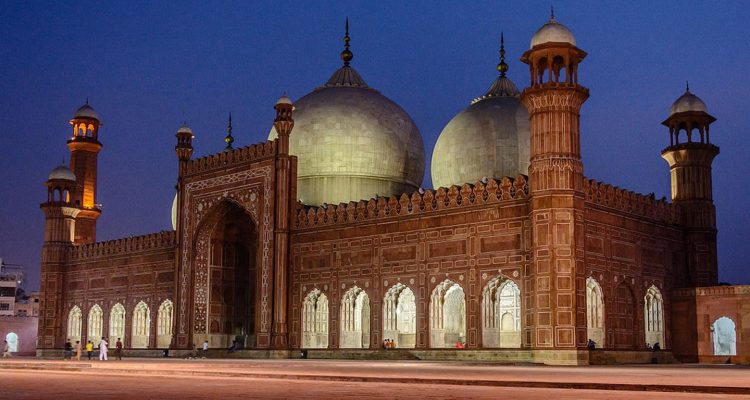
x,y
6,350
205,348
103,350
118,349
89,349
78,350
68,351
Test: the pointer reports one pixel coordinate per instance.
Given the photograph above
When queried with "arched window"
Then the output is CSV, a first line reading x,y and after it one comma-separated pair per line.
x,y
594,312
95,324
400,316
315,320
724,337
141,326
74,324
501,314
355,319
653,315
447,315
12,339
117,322
164,322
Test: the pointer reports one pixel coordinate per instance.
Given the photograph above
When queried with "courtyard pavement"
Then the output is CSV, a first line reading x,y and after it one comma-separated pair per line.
x,y
28,378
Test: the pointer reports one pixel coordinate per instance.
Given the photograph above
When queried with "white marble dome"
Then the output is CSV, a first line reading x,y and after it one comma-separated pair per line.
x,y
86,111
489,139
688,102
185,129
62,172
552,32
284,99
353,143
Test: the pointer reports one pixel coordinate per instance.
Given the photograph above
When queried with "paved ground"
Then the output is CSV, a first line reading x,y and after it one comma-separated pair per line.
x,y
312,379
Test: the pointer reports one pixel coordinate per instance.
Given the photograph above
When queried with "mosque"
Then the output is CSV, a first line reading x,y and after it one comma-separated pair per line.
x,y
321,238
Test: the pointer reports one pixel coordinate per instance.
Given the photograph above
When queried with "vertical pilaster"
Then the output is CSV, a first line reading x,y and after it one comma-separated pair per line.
x,y
283,202
182,331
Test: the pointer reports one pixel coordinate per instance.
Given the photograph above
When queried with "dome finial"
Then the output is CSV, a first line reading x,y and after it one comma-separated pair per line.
x,y
502,67
346,55
551,13
687,86
229,139
87,100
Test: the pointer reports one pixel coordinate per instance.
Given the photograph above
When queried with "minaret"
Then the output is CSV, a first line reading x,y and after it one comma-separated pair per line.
x,y
184,147
84,148
555,299
690,154
286,178
59,231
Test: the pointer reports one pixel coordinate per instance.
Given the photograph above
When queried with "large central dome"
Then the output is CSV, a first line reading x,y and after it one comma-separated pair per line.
x,y
353,143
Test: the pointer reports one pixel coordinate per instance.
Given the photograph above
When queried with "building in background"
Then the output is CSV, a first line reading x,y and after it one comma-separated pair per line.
x,y
18,312
321,238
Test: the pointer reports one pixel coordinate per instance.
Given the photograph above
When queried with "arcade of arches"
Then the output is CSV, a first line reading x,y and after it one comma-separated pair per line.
x,y
141,327
501,316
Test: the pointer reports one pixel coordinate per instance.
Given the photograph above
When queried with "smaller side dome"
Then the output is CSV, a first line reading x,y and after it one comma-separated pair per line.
x,y
62,173
552,32
185,129
86,111
688,102
284,100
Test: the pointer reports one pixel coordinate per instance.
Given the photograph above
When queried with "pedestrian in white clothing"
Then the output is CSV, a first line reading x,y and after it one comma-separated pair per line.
x,y
103,350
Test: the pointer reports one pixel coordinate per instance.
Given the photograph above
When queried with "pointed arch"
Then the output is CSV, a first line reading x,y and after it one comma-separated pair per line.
x,y
74,324
355,319
164,323
501,314
226,253
653,315
594,312
141,326
95,322
447,315
117,322
400,316
724,337
315,320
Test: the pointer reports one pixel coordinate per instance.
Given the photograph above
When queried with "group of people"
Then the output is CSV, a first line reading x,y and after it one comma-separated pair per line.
x,y
76,349
389,344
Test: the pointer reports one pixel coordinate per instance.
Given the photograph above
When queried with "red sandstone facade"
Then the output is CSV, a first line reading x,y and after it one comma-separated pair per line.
x,y
246,256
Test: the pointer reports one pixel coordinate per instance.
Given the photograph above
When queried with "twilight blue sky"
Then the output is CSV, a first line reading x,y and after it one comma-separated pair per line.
x,y
148,66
